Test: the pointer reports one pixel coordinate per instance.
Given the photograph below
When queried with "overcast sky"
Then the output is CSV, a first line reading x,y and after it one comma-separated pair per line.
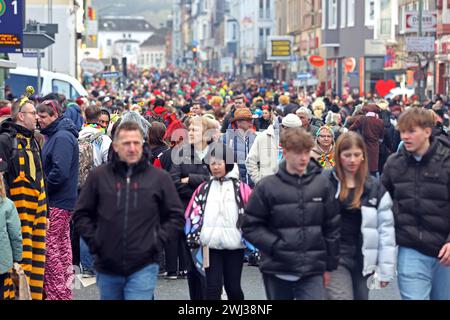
x,y
155,11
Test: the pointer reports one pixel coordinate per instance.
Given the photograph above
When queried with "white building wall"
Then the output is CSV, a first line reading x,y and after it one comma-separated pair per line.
x,y
153,57
250,24
63,50
106,47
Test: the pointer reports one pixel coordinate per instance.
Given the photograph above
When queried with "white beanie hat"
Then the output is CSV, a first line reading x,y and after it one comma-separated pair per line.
x,y
291,121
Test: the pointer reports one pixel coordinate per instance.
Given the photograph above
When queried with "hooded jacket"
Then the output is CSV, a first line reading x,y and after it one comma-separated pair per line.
x,y
126,214
421,194
10,235
294,222
262,159
60,159
73,112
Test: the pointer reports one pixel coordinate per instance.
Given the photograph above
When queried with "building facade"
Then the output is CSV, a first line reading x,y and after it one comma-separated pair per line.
x,y
62,55
120,37
355,61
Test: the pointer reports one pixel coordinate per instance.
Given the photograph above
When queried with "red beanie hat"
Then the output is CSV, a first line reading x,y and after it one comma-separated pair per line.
x,y
5,111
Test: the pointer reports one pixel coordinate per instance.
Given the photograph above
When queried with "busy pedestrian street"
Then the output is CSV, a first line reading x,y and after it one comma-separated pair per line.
x,y
240,150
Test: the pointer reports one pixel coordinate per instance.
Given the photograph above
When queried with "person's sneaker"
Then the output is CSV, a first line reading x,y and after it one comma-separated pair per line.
x,y
88,273
171,276
182,274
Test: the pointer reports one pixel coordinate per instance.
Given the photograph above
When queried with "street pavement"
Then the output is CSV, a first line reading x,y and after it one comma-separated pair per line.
x,y
252,286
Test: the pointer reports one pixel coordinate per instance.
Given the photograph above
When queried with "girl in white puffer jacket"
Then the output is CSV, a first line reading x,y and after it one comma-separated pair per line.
x,y
213,220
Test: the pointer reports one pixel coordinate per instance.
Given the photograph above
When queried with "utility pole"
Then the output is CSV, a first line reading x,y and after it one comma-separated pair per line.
x,y
421,80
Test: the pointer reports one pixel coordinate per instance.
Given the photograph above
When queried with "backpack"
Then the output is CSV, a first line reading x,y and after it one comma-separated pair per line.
x,y
86,157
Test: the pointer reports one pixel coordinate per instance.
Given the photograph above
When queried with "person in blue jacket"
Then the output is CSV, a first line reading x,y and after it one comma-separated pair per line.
x,y
60,161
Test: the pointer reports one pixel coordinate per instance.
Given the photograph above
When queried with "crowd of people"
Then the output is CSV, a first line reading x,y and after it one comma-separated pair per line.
x,y
189,176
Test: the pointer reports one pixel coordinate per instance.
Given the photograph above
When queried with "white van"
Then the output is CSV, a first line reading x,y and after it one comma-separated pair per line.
x,y
20,78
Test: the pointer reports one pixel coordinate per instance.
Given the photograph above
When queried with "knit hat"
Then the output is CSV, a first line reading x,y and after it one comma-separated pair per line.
x,y
284,99
242,114
291,121
5,111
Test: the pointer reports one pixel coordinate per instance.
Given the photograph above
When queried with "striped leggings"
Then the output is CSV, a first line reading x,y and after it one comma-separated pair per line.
x,y
59,273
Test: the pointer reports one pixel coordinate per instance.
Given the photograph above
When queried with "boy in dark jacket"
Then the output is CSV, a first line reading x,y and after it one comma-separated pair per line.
x,y
418,179
293,219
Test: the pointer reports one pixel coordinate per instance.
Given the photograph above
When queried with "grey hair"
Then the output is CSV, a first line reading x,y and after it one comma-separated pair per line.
x,y
306,111
133,116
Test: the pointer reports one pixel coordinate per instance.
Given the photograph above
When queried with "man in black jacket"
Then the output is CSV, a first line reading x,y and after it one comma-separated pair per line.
x,y
293,219
126,212
418,179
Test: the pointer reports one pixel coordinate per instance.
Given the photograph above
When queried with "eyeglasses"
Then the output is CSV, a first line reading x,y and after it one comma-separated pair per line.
x,y
34,113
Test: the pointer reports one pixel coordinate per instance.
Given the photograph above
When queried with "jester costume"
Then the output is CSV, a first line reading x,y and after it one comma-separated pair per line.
x,y
25,187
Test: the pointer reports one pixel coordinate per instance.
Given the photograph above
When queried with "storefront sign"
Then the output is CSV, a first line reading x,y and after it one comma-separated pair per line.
x,y
350,64
429,21
420,44
280,48
316,61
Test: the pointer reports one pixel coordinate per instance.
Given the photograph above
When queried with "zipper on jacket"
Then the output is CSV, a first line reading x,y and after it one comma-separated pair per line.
x,y
119,194
125,223
135,189
416,202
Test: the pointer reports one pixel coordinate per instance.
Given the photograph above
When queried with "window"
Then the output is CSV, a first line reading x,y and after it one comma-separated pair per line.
x,y
234,32
61,87
268,9
261,38
261,9
332,14
351,13
109,42
17,82
343,13
128,48
205,31
370,12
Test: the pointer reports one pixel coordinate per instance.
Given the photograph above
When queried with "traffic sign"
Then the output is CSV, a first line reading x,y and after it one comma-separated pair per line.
x,y
50,29
304,76
109,75
11,26
420,44
32,54
92,65
37,40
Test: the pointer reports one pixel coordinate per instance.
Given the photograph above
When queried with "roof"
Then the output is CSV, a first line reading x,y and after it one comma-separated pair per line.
x,y
155,40
136,24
